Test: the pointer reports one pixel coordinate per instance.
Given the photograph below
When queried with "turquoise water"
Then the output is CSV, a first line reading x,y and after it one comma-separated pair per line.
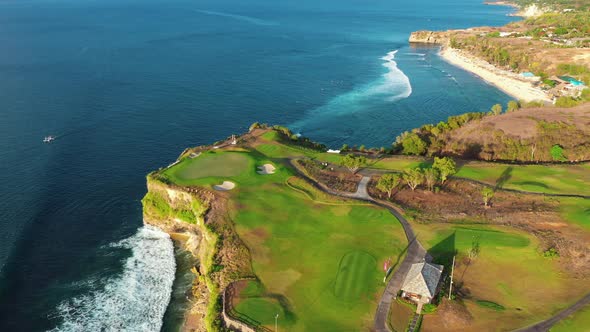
x,y
126,85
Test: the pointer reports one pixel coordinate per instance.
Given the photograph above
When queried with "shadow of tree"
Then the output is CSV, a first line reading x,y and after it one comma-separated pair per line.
x,y
504,177
472,151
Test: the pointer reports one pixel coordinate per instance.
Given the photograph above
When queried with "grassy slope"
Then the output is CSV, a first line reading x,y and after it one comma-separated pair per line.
x,y
299,247
323,255
578,322
297,252
509,271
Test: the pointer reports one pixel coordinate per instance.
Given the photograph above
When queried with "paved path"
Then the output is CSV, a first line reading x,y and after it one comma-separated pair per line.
x,y
415,252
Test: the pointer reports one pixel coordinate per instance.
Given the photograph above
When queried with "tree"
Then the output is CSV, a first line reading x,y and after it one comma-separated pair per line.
x,y
413,177
557,153
512,106
445,167
497,109
353,163
388,182
487,194
475,248
413,144
430,177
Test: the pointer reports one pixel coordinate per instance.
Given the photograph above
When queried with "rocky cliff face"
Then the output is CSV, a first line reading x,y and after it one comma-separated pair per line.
x,y
429,37
199,217
180,213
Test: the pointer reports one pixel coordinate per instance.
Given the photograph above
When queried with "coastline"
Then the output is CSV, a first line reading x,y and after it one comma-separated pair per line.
x,y
504,80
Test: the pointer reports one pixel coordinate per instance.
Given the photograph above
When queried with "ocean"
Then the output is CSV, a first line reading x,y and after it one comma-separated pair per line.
x,y
126,85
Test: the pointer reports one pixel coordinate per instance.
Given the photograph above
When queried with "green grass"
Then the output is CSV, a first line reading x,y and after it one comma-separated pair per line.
x,y
576,210
355,273
509,271
578,322
319,258
554,179
209,164
263,310
490,305
324,256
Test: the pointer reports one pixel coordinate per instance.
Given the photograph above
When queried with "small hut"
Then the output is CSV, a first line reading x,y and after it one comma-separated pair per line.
x,y
422,282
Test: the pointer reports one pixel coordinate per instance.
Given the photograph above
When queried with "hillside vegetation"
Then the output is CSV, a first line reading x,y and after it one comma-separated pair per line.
x,y
526,135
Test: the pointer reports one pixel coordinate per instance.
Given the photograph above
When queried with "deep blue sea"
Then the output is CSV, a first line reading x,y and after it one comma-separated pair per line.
x,y
125,85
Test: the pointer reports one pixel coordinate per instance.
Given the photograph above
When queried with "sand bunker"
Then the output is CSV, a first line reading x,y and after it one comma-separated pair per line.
x,y
266,169
225,186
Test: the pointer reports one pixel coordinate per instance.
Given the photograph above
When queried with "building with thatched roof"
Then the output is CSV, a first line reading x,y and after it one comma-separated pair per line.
x,y
422,282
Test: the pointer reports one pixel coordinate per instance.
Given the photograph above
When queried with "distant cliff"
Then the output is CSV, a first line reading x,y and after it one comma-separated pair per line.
x,y
429,37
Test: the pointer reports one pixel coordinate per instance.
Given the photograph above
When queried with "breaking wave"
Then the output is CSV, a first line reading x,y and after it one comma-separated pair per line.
x,y
392,86
396,80
137,299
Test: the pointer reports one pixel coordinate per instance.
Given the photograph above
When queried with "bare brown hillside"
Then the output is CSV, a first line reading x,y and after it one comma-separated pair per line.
x,y
524,135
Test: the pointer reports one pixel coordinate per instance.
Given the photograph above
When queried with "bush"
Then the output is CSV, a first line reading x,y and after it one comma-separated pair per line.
x,y
566,102
549,82
551,253
557,153
428,308
413,144
490,305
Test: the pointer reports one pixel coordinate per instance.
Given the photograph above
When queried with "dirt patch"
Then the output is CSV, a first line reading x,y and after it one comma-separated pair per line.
x,y
450,316
524,135
260,233
331,175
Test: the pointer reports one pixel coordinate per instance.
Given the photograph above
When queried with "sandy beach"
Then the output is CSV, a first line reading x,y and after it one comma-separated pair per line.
x,y
511,83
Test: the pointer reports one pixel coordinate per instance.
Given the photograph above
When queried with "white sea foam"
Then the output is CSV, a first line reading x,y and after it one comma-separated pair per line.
x,y
396,81
392,86
243,18
133,301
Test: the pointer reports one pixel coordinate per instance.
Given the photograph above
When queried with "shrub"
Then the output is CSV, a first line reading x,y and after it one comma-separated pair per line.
x,y
413,144
551,253
512,106
566,102
490,305
428,308
557,153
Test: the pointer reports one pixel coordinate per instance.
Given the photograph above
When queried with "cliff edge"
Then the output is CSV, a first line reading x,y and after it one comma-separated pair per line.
x,y
429,37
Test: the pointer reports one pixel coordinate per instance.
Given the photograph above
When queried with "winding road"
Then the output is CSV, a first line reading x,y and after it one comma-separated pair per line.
x,y
416,252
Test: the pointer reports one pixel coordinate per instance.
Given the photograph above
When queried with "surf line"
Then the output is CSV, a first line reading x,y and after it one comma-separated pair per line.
x,y
135,300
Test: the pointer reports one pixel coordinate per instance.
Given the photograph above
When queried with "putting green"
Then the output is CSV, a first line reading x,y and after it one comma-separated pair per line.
x,y
209,164
263,310
355,273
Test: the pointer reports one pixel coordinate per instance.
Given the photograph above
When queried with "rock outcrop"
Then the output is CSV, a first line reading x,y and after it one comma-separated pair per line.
x,y
429,37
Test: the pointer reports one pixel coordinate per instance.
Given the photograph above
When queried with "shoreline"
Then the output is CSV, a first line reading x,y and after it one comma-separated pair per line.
x,y
506,81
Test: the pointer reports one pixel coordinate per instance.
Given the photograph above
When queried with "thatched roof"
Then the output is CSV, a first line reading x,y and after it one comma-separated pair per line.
x,y
422,279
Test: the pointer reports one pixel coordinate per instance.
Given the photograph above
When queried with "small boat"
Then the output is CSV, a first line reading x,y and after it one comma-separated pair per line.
x,y
48,139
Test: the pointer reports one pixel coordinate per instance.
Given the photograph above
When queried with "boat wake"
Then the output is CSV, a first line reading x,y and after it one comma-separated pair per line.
x,y
137,299
248,19
392,86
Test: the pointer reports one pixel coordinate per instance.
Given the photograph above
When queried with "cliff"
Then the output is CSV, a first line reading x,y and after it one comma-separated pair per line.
x,y
200,218
429,37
